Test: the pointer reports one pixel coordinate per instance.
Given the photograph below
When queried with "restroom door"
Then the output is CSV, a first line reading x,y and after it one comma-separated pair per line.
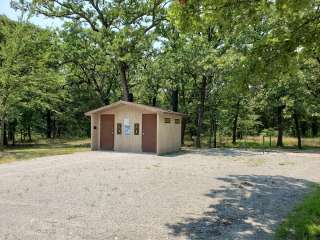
x,y
107,132
149,133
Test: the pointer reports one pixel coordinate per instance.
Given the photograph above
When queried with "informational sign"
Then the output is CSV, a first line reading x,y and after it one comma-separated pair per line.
x,y
127,128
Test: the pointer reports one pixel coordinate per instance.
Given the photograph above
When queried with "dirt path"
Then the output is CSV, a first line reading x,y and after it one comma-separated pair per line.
x,y
217,194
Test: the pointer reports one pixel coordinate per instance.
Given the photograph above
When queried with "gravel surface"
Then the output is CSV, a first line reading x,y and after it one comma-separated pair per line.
x,y
208,194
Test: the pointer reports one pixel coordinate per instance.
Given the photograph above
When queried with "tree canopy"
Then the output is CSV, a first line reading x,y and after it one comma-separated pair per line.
x,y
235,68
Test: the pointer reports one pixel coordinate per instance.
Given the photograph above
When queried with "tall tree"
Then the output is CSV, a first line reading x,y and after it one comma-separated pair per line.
x,y
29,79
122,27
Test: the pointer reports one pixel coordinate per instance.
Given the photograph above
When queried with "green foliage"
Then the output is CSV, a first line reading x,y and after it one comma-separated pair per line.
x,y
122,30
268,132
304,221
29,79
235,68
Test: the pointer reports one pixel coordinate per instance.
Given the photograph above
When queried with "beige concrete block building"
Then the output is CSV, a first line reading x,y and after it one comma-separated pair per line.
x,y
131,127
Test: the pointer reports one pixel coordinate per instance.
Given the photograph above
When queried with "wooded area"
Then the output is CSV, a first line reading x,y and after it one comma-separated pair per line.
x,y
236,68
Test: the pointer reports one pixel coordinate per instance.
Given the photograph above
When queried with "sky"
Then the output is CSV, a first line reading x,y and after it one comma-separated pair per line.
x,y
42,21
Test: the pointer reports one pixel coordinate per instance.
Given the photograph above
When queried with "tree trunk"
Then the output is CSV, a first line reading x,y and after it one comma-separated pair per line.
x,y
124,82
210,133
5,138
184,119
183,129
175,100
201,111
12,131
298,129
131,97
105,100
29,133
154,101
303,128
2,132
314,127
280,126
54,127
49,123
235,123
13,140
239,134
213,133
59,132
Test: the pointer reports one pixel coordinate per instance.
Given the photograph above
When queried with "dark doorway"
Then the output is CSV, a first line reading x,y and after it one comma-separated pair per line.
x,y
149,133
107,132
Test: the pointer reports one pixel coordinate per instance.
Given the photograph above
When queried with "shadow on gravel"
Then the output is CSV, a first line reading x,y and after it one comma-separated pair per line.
x,y
227,152
250,207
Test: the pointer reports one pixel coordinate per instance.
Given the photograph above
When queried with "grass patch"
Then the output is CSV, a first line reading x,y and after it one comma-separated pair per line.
x,y
43,148
256,142
304,222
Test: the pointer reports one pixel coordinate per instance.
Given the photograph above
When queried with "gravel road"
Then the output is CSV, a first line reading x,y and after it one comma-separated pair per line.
x,y
208,194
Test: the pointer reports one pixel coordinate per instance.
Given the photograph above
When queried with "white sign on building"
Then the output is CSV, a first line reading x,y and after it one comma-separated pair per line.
x,y
127,127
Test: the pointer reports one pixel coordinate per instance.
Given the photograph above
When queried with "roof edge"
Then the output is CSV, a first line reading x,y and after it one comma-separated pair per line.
x,y
150,108
103,108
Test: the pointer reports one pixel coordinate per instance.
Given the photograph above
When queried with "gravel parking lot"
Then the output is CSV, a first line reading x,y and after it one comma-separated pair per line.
x,y
208,194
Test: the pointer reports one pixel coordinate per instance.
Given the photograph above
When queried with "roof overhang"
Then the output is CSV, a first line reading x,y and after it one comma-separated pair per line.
x,y
136,105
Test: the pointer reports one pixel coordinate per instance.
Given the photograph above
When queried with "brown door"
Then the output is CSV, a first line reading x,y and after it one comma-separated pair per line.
x,y
149,133
107,132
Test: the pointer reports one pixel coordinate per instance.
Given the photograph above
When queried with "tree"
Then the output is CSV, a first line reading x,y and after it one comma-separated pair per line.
x,y
29,78
122,27
230,66
86,63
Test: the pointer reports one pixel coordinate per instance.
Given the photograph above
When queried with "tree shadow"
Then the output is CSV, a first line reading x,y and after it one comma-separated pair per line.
x,y
237,152
226,152
249,207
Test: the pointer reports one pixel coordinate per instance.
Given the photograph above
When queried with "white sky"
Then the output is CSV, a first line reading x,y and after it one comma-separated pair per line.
x,y
42,21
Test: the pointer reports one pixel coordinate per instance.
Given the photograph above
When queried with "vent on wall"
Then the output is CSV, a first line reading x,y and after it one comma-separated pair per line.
x,y
167,120
177,121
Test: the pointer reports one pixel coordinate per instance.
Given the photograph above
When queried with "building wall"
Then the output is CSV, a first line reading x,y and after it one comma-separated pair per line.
x,y
127,143
95,131
169,134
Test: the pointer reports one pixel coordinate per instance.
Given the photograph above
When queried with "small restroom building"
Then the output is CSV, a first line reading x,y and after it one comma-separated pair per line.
x,y
131,127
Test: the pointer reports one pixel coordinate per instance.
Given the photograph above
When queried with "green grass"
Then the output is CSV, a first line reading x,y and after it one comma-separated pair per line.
x,y
255,142
304,222
42,148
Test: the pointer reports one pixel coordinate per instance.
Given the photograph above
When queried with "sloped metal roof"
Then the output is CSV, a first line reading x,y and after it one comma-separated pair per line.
x,y
132,104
